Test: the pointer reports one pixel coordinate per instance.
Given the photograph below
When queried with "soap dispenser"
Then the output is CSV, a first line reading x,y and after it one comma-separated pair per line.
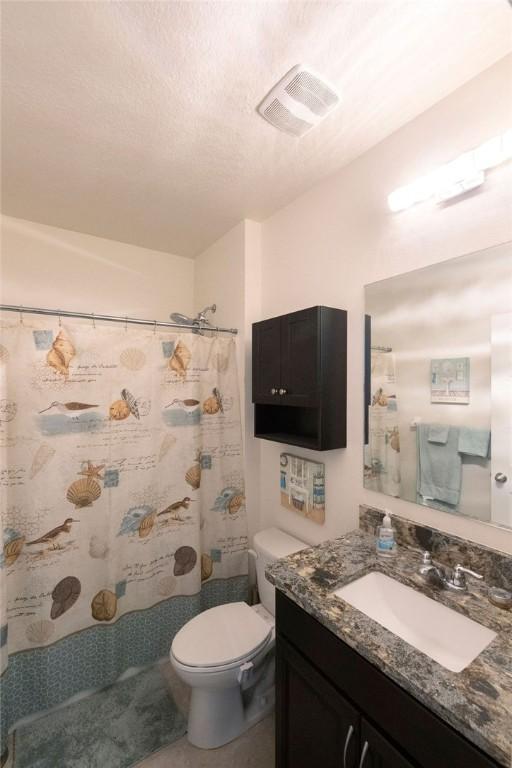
x,y
386,544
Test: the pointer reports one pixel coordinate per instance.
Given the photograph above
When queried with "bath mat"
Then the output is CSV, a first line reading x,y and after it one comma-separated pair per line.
x,y
114,728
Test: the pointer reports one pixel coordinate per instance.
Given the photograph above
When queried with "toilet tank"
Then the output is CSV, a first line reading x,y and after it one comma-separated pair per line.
x,y
270,545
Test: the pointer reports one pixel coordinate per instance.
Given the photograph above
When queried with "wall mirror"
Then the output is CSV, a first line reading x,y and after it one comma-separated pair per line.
x,y
438,386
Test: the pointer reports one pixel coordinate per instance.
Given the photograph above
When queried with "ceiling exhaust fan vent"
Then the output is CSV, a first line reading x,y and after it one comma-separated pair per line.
x,y
298,102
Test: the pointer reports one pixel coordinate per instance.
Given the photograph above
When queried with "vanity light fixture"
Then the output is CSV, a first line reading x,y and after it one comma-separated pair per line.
x,y
453,179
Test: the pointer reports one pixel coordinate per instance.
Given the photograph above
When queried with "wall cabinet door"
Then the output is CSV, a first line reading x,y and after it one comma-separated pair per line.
x,y
316,726
377,752
300,359
266,361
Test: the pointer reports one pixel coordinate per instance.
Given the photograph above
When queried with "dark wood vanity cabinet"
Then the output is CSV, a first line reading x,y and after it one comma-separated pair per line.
x,y
336,710
299,374
313,719
377,752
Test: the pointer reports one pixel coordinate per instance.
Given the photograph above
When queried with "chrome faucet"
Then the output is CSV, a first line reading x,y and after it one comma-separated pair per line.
x,y
433,574
437,576
458,581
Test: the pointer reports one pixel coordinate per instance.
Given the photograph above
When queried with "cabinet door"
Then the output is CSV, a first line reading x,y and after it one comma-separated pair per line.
x,y
266,361
315,725
377,752
300,365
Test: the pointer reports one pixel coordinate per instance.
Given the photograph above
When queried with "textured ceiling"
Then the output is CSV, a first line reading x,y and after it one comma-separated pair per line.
x,y
136,121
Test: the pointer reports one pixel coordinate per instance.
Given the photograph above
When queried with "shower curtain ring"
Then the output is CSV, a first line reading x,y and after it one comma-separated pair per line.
x,y
154,327
60,319
126,323
93,320
21,314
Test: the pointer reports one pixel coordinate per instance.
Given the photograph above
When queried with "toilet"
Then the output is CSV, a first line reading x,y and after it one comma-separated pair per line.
x,y
226,655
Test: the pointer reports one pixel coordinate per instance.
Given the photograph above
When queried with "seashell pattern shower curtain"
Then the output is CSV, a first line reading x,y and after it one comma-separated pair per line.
x,y
123,509
382,454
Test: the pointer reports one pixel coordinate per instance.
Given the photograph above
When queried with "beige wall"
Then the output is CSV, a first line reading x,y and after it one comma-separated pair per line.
x,y
228,273
57,268
219,279
323,248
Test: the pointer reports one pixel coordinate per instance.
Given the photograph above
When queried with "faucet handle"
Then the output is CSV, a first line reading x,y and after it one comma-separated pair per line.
x,y
459,575
426,564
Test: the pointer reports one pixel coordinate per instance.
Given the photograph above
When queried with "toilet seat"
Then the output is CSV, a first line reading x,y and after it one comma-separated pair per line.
x,y
215,671
221,637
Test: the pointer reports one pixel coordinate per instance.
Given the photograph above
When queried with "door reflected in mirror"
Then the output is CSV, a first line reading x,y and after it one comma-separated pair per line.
x,y
438,386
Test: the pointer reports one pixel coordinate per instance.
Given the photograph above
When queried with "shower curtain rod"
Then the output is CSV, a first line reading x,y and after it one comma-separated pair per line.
x,y
112,318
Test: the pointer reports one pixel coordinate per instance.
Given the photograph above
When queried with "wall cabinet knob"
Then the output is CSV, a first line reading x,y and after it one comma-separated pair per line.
x,y
273,391
499,476
283,391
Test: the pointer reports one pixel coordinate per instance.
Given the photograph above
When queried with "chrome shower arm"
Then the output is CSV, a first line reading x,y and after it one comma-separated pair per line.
x,y
202,315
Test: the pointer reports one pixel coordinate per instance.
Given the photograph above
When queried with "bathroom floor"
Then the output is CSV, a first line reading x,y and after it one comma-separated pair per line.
x,y
255,749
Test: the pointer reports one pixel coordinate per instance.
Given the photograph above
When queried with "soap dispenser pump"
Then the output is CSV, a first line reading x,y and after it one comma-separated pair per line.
x,y
386,544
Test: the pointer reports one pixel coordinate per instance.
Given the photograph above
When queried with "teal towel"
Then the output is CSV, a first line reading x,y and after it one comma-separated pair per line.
x,y
474,442
439,472
438,433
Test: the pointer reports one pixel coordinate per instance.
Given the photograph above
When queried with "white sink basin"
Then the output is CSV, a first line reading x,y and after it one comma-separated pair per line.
x,y
446,636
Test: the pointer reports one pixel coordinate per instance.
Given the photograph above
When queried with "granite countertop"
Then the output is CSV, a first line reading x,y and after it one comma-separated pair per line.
x,y
477,702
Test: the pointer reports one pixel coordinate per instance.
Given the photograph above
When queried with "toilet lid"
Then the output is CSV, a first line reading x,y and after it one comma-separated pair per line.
x,y
220,635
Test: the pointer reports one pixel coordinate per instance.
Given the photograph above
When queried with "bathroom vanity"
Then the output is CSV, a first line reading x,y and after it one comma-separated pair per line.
x,y
351,694
333,706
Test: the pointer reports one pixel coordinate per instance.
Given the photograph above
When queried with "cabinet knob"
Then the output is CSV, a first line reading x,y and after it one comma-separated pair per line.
x,y
283,391
499,476
273,391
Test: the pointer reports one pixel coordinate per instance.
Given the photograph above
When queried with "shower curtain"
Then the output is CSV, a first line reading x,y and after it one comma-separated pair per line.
x,y
122,501
382,454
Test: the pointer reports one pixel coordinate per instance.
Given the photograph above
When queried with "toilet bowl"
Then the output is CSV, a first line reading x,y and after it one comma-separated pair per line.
x,y
226,656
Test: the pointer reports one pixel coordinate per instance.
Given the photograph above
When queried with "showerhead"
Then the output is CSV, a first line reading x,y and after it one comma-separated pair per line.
x,y
177,317
200,319
201,316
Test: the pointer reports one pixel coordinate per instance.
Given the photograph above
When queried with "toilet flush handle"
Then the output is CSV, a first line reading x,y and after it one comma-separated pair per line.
x,y
245,674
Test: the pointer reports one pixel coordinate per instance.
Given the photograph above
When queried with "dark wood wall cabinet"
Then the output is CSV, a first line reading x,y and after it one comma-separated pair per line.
x,y
299,378
336,710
